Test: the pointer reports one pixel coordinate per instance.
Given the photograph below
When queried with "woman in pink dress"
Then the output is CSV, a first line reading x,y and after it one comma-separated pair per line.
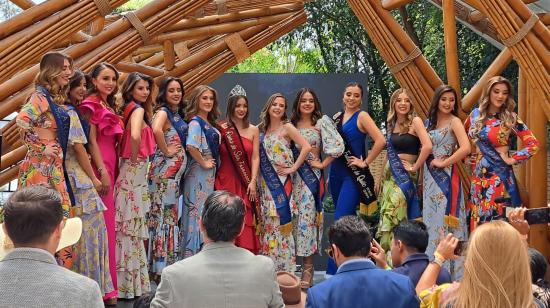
x,y
240,162
105,131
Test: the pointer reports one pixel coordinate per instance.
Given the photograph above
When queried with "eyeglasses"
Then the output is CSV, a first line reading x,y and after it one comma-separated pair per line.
x,y
330,252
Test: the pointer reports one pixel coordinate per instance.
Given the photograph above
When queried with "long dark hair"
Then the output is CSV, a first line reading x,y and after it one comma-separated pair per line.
x,y
94,73
296,115
128,87
163,90
230,111
434,107
75,82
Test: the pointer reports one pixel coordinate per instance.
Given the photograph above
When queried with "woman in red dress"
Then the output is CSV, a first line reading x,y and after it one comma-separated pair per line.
x,y
240,161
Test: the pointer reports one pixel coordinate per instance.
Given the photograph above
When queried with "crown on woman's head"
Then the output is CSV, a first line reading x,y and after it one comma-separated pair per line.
x,y
237,90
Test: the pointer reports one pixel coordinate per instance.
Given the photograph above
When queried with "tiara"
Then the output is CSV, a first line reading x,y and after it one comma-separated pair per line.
x,y
237,90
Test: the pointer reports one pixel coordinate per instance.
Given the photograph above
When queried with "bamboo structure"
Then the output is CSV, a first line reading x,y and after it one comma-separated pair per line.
x,y
198,40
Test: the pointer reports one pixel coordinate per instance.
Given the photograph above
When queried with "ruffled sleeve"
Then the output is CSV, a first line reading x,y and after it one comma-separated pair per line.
x,y
530,143
76,133
107,122
195,136
432,297
333,144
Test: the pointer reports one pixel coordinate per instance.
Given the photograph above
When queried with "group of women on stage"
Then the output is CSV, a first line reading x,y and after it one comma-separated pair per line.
x,y
138,175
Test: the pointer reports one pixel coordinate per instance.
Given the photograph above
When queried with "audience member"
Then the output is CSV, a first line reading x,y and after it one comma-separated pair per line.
x,y
222,274
408,247
541,288
33,230
496,271
358,282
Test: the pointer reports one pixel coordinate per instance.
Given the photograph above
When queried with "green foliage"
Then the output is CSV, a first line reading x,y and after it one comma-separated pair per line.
x,y
131,5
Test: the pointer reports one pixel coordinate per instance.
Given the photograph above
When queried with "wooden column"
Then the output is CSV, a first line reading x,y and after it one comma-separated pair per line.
x,y
451,53
538,171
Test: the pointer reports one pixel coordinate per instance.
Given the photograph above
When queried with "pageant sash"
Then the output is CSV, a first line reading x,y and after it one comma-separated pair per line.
x,y
280,192
63,122
238,155
450,187
315,186
368,206
212,137
178,124
404,181
502,169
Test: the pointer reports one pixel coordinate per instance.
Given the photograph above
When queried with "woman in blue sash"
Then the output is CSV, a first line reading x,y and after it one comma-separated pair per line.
x,y
165,173
91,253
131,188
43,125
491,126
408,146
443,198
351,183
277,166
203,142
309,186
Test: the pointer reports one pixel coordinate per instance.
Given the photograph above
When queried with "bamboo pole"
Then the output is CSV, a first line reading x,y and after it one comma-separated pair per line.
x,y
169,55
9,175
524,13
224,28
538,176
11,158
498,65
239,5
32,15
451,55
394,4
522,113
128,67
236,16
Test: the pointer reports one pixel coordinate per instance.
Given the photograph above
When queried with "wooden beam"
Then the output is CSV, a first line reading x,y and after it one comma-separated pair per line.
x,y
129,67
498,65
451,59
11,158
169,55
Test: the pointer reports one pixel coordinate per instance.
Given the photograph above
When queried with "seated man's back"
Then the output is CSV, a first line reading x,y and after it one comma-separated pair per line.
x,y
30,277
221,275
362,284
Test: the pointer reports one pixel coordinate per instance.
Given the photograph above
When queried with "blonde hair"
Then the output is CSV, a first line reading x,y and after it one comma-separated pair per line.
x,y
392,115
51,66
192,108
507,115
265,120
496,270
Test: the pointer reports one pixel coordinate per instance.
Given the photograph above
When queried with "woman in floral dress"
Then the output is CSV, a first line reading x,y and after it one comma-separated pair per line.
x,y
203,141
491,126
277,166
443,198
91,253
131,188
40,127
167,168
320,132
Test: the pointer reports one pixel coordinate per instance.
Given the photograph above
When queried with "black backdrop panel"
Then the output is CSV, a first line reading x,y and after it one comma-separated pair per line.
x,y
259,87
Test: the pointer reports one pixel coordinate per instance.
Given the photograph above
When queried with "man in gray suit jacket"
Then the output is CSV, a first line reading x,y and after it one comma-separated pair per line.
x,y
29,274
221,275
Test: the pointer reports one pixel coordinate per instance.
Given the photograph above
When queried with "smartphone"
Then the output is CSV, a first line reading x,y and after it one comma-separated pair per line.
x,y
538,216
460,248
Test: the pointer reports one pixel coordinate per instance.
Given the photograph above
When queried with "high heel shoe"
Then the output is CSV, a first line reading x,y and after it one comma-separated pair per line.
x,y
307,276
